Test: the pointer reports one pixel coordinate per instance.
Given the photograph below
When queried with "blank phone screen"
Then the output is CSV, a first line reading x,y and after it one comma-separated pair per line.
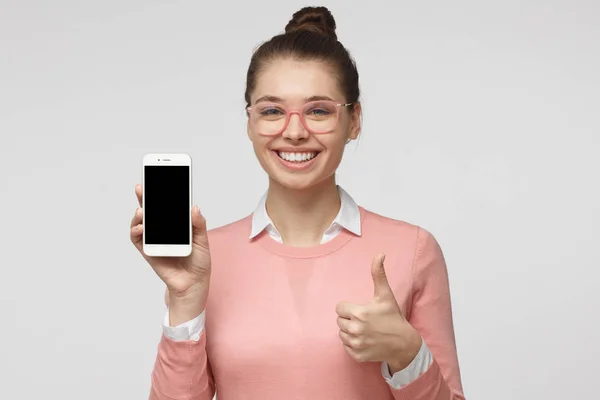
x,y
167,208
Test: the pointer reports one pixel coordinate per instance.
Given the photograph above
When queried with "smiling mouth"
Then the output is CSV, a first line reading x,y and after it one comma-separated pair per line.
x,y
299,158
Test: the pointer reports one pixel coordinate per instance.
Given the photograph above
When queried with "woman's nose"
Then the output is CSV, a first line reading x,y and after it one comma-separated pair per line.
x,y
295,130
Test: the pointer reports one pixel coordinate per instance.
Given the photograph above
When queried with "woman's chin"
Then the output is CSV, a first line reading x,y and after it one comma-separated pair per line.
x,y
295,183
299,181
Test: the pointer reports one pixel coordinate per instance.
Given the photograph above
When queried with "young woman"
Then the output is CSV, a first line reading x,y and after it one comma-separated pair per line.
x,y
300,304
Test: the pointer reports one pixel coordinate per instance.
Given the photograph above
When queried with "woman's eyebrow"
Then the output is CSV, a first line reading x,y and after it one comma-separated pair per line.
x,y
271,99
275,99
317,98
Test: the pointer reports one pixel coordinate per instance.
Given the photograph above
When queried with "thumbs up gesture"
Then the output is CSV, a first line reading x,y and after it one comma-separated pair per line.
x,y
378,331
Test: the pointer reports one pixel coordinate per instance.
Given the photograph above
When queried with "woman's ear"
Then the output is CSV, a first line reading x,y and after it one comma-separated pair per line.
x,y
355,121
248,130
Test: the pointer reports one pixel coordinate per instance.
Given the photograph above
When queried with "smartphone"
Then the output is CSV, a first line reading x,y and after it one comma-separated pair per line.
x,y
167,204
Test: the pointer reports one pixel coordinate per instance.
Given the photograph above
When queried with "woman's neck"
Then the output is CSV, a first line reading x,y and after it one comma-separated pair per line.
x,y
301,216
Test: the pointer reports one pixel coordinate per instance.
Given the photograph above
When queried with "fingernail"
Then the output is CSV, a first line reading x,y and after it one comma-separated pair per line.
x,y
383,258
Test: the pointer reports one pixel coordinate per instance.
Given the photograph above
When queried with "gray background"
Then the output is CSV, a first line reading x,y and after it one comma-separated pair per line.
x,y
480,124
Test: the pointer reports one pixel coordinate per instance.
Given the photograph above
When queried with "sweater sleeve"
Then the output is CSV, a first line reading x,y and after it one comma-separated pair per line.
x,y
182,371
431,314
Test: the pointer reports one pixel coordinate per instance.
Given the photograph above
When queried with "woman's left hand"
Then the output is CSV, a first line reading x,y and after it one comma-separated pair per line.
x,y
378,331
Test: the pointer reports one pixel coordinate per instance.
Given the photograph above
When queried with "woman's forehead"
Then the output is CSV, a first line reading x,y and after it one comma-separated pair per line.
x,y
295,81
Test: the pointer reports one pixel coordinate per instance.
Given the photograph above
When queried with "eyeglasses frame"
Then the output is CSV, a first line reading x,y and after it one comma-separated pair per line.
x,y
289,112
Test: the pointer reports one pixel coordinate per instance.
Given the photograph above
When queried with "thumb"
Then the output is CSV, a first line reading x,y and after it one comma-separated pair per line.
x,y
198,225
380,283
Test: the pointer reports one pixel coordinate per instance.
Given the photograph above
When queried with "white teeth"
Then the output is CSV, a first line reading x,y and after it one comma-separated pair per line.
x,y
297,157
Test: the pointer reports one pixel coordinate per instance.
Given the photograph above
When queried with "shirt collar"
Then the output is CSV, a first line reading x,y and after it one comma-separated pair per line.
x,y
348,217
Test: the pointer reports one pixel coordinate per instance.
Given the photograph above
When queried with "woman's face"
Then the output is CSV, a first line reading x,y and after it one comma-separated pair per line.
x,y
293,83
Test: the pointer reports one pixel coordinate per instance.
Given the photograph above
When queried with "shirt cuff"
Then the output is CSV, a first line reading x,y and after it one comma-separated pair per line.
x,y
189,330
419,365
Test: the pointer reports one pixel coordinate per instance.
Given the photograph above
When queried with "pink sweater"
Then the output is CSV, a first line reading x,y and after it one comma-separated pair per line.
x,y
271,331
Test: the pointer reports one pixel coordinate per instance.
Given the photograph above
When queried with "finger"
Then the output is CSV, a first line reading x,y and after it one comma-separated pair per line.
x,y
138,193
343,324
354,342
357,355
350,352
345,338
137,217
350,310
167,297
136,229
351,327
198,224
135,234
381,286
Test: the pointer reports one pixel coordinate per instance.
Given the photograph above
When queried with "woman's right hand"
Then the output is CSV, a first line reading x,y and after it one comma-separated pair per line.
x,y
185,277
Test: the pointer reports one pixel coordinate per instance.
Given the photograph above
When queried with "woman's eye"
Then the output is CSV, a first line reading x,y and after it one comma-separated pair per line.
x,y
319,112
271,112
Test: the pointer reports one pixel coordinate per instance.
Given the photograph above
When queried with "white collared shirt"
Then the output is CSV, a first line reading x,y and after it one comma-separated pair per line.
x,y
347,218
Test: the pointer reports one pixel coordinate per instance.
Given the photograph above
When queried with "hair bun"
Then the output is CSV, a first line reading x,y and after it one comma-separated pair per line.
x,y
314,19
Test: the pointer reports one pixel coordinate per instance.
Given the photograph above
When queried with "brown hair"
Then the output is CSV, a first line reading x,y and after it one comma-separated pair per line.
x,y
309,35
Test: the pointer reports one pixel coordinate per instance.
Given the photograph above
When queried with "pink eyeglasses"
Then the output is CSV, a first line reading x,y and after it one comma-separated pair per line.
x,y
317,117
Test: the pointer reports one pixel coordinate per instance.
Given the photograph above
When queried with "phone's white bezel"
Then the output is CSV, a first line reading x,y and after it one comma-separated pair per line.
x,y
166,250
